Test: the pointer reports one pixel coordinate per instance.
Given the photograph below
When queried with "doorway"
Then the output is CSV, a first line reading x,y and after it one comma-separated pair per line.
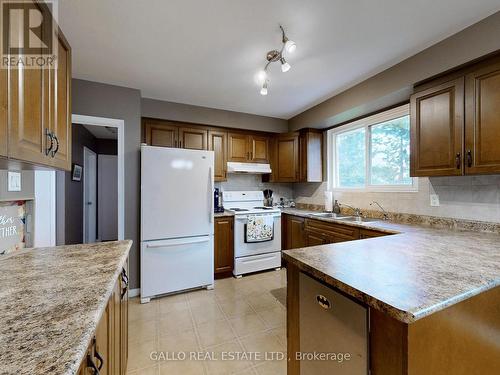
x,y
108,124
89,195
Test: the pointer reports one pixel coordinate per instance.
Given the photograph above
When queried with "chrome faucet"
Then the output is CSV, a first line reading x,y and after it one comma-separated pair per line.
x,y
357,211
384,212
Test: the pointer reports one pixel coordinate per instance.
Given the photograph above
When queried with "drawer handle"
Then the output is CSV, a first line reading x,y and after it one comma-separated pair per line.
x,y
323,302
458,160
98,356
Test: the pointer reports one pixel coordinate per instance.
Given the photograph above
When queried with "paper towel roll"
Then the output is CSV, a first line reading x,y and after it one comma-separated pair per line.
x,y
328,201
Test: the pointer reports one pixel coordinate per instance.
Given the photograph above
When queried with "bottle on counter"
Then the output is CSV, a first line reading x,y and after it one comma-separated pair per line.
x,y
336,207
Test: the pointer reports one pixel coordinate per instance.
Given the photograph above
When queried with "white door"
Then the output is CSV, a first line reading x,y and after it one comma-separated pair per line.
x,y
89,195
176,193
107,187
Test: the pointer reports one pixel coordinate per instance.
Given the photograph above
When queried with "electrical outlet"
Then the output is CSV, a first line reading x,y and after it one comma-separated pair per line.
x,y
434,200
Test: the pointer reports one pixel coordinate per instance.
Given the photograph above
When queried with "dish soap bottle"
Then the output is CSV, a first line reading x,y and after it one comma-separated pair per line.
x,y
336,207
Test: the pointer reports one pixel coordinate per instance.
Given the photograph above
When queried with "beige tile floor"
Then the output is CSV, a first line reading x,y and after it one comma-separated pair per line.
x,y
238,316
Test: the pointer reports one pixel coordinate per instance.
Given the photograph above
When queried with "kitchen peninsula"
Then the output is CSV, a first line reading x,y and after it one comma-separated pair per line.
x,y
422,285
63,308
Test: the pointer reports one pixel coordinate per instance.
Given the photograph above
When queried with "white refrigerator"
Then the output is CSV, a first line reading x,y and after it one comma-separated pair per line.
x,y
176,220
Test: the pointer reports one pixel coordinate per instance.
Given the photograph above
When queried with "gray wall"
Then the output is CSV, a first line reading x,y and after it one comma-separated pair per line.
x,y
73,196
97,99
27,187
210,116
394,85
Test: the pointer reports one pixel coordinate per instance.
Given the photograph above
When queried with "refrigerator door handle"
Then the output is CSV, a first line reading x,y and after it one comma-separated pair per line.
x,y
177,243
210,196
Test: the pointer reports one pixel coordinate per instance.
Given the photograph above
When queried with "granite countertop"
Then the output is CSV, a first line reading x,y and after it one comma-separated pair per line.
x,y
51,301
409,275
226,213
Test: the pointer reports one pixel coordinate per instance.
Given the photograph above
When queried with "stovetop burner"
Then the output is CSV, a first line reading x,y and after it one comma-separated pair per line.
x,y
238,209
263,208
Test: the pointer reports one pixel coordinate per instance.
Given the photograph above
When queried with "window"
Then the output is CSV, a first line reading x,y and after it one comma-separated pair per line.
x,y
373,153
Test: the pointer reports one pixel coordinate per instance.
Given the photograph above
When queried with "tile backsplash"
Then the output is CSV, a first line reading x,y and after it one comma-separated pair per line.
x,y
254,182
461,197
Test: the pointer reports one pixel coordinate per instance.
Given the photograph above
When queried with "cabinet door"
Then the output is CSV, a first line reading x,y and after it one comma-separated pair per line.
x,y
124,324
314,239
311,156
217,142
482,124
237,147
3,112
224,249
160,134
26,111
437,122
102,346
60,105
287,158
295,232
116,328
259,149
192,138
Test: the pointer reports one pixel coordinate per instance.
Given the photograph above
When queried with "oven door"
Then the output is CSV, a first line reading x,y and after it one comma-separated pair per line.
x,y
242,248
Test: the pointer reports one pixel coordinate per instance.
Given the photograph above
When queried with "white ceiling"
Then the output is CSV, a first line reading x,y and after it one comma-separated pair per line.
x,y
207,52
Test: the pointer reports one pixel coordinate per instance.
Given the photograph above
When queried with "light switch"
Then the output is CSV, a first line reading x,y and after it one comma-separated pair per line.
x,y
434,200
14,181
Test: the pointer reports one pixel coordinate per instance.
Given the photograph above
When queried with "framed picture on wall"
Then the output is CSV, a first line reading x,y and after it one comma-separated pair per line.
x,y
76,174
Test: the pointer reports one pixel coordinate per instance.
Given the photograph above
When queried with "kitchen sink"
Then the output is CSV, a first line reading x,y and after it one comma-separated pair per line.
x,y
330,215
359,219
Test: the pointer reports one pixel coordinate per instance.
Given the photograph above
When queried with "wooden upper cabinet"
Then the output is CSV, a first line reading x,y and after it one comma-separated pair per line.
x,y
193,138
27,140
237,148
223,245
437,123
3,112
217,142
311,155
259,149
482,122
287,158
158,133
60,105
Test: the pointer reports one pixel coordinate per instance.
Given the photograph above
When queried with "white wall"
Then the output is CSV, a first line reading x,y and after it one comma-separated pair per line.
x,y
45,209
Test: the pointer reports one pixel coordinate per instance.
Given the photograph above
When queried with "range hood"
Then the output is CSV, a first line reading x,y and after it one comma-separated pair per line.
x,y
253,168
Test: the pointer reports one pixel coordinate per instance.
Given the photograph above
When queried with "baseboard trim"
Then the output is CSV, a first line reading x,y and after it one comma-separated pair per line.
x,y
134,292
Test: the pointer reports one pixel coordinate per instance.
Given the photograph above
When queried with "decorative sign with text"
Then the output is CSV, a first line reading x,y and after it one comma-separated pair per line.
x,y
12,222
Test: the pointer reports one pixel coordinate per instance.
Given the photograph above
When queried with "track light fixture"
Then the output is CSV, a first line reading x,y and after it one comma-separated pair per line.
x,y
274,55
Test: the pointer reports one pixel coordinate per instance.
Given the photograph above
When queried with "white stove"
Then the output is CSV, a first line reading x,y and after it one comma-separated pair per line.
x,y
253,256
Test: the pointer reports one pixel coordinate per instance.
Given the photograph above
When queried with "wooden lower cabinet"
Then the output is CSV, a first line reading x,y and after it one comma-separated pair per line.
x,y
293,235
223,246
108,349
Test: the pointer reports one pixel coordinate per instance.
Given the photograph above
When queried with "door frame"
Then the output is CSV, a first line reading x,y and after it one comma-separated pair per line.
x,y
88,151
120,125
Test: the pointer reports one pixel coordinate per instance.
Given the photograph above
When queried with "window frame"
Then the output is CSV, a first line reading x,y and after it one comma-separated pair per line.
x,y
366,123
